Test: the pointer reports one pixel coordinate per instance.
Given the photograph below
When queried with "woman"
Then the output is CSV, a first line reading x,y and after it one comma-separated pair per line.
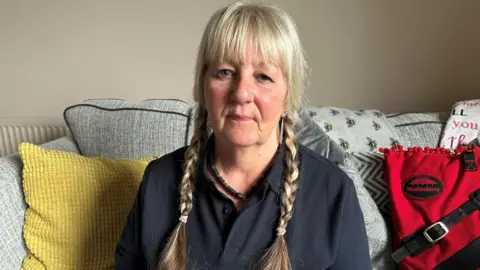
x,y
243,194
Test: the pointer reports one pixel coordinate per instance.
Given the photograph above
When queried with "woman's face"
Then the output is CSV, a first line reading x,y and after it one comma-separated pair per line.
x,y
245,101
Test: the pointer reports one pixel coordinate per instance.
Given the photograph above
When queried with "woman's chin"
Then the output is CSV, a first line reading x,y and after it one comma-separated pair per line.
x,y
240,139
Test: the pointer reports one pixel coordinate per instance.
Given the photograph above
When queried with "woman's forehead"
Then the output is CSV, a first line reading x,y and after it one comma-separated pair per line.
x,y
250,56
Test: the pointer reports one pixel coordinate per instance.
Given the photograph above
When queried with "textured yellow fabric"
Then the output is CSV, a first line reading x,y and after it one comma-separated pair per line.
x,y
77,207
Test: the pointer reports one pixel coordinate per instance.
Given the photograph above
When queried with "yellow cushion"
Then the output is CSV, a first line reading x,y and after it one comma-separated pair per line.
x,y
77,207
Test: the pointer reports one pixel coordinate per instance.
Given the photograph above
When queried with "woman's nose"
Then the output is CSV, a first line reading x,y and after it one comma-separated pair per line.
x,y
242,91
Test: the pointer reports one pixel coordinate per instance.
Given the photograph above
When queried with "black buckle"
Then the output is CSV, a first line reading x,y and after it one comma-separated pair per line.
x,y
469,160
435,232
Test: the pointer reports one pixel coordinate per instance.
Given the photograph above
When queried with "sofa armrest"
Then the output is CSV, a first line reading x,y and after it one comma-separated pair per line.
x,y
13,206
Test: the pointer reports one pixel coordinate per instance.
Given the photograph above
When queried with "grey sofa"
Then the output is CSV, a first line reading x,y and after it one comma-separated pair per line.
x,y
116,129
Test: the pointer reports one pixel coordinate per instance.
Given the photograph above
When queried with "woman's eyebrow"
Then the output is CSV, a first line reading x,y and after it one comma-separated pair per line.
x,y
270,67
265,65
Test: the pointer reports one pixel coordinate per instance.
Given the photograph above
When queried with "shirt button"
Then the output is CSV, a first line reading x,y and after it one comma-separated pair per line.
x,y
227,210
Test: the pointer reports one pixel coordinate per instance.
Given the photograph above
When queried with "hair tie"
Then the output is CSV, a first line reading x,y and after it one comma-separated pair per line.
x,y
183,219
281,231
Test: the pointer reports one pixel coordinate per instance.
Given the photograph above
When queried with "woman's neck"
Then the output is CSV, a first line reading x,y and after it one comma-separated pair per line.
x,y
241,167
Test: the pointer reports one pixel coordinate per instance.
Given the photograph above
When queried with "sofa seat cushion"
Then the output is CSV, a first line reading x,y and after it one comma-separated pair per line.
x,y
77,207
119,130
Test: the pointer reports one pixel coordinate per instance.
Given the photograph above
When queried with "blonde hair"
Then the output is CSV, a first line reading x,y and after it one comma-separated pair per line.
x,y
235,28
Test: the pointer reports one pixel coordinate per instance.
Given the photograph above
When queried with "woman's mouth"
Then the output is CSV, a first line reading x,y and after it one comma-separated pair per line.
x,y
238,117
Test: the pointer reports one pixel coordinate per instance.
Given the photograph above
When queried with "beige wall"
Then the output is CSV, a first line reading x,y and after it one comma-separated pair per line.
x,y
391,55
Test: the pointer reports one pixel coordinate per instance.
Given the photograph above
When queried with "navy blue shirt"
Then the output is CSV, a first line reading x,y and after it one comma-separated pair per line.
x,y
327,229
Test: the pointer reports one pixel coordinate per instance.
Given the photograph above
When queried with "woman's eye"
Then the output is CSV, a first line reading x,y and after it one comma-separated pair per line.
x,y
224,73
264,77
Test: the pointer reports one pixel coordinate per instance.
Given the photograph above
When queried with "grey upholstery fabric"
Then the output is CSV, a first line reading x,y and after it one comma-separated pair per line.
x,y
313,137
419,129
475,142
191,124
12,210
12,205
379,239
119,130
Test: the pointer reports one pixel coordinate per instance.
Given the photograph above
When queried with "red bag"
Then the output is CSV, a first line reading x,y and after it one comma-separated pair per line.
x,y
435,207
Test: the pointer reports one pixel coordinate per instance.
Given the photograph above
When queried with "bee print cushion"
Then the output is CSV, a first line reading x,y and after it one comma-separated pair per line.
x,y
355,130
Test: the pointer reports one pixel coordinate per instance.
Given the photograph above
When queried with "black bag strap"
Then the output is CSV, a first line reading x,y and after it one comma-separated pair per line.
x,y
429,236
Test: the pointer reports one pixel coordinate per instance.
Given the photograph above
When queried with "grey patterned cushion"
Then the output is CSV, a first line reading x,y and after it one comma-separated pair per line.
x,y
12,205
365,130
379,239
313,137
119,130
370,166
419,129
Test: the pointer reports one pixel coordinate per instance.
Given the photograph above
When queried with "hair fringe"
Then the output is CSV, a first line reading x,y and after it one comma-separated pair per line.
x,y
276,257
174,256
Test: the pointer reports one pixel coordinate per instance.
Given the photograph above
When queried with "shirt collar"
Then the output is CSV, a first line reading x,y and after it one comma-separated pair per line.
x,y
273,177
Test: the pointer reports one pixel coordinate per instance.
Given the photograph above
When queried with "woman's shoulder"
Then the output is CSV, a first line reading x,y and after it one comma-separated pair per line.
x,y
166,170
321,172
170,159
315,157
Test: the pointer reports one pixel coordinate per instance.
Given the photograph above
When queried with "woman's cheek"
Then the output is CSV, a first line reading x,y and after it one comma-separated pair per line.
x,y
271,98
216,96
271,103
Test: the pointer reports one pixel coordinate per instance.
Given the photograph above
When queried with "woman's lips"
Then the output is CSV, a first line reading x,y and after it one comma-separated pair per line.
x,y
240,117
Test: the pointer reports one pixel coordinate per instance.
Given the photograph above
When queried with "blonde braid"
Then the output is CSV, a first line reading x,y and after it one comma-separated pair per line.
x,y
174,256
276,257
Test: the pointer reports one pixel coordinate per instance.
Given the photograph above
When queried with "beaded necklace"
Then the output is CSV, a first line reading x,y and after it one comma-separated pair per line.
x,y
219,179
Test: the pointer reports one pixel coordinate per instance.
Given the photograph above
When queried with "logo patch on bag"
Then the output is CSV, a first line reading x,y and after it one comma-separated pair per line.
x,y
422,187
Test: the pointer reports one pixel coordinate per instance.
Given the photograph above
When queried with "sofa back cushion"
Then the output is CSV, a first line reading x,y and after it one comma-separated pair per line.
x,y
116,129
77,207
355,130
419,129
312,136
